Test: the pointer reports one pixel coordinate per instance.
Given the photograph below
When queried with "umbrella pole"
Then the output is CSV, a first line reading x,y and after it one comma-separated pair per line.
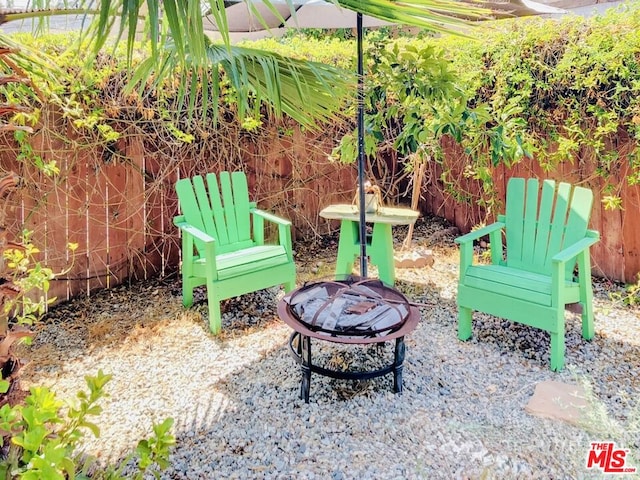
x,y
361,160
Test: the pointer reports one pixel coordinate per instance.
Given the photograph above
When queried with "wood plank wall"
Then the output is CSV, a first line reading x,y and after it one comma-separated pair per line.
x,y
120,209
615,257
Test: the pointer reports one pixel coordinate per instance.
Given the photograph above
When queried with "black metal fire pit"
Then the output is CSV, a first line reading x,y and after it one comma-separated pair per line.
x,y
350,311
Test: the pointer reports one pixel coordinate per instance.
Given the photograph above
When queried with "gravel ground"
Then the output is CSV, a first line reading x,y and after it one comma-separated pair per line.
x,y
235,397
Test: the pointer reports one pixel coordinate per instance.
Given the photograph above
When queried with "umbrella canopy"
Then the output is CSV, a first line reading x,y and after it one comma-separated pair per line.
x,y
519,8
244,24
322,14
241,18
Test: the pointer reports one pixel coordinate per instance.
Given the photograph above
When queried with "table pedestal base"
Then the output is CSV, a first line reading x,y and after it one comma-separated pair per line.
x,y
302,355
379,250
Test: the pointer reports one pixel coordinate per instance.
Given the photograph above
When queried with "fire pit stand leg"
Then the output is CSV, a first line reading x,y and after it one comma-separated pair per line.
x,y
397,365
300,347
305,345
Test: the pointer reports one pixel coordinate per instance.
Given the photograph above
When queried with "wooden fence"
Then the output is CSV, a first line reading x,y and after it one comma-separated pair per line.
x,y
616,256
119,208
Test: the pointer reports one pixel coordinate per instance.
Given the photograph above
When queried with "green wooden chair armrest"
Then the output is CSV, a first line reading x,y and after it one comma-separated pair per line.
x,y
284,230
571,252
199,234
270,217
466,245
189,233
179,219
481,232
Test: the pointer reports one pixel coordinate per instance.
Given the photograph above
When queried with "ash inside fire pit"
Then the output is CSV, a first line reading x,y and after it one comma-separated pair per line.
x,y
364,308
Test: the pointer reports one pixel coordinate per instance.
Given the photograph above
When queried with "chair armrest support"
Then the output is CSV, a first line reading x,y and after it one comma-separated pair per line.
x,y
189,233
578,251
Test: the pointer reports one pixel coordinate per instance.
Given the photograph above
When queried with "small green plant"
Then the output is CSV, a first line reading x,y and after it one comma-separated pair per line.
x,y
27,155
25,275
42,441
630,296
24,278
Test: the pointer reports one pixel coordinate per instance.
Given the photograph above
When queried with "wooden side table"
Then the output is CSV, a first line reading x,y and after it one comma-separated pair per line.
x,y
379,245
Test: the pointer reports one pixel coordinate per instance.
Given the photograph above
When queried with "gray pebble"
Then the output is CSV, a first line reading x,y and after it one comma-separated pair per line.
x,y
235,398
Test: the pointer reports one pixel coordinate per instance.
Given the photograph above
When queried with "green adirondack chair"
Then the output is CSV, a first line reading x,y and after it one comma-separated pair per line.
x,y
546,237
223,244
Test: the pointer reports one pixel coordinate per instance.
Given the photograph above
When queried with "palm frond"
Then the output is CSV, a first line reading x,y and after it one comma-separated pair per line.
x,y
302,90
31,63
308,92
445,16
432,10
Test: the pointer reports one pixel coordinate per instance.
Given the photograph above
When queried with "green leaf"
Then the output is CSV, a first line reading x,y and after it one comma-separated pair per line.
x,y
93,427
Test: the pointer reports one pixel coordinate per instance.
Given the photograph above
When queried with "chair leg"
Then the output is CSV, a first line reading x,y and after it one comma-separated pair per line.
x,y
288,286
586,299
464,323
586,295
187,292
215,317
587,321
558,345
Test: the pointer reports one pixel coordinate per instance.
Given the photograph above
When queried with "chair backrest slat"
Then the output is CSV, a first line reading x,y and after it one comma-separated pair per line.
x,y
229,206
218,211
558,222
221,208
577,222
544,222
579,214
514,216
204,206
189,206
242,205
530,221
541,224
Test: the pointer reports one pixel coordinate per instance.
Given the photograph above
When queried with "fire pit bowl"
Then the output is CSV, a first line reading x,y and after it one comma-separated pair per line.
x,y
350,311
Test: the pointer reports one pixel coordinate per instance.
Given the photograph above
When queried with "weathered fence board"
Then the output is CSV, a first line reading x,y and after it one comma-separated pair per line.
x,y
119,207
631,231
616,256
76,280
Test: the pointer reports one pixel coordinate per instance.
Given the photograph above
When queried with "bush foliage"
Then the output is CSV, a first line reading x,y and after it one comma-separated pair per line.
x,y
551,89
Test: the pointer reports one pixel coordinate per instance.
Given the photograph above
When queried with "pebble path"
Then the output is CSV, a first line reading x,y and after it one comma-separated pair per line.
x,y
235,398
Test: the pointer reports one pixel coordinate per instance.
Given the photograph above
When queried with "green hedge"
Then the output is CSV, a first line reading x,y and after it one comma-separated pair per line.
x,y
535,87
528,87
